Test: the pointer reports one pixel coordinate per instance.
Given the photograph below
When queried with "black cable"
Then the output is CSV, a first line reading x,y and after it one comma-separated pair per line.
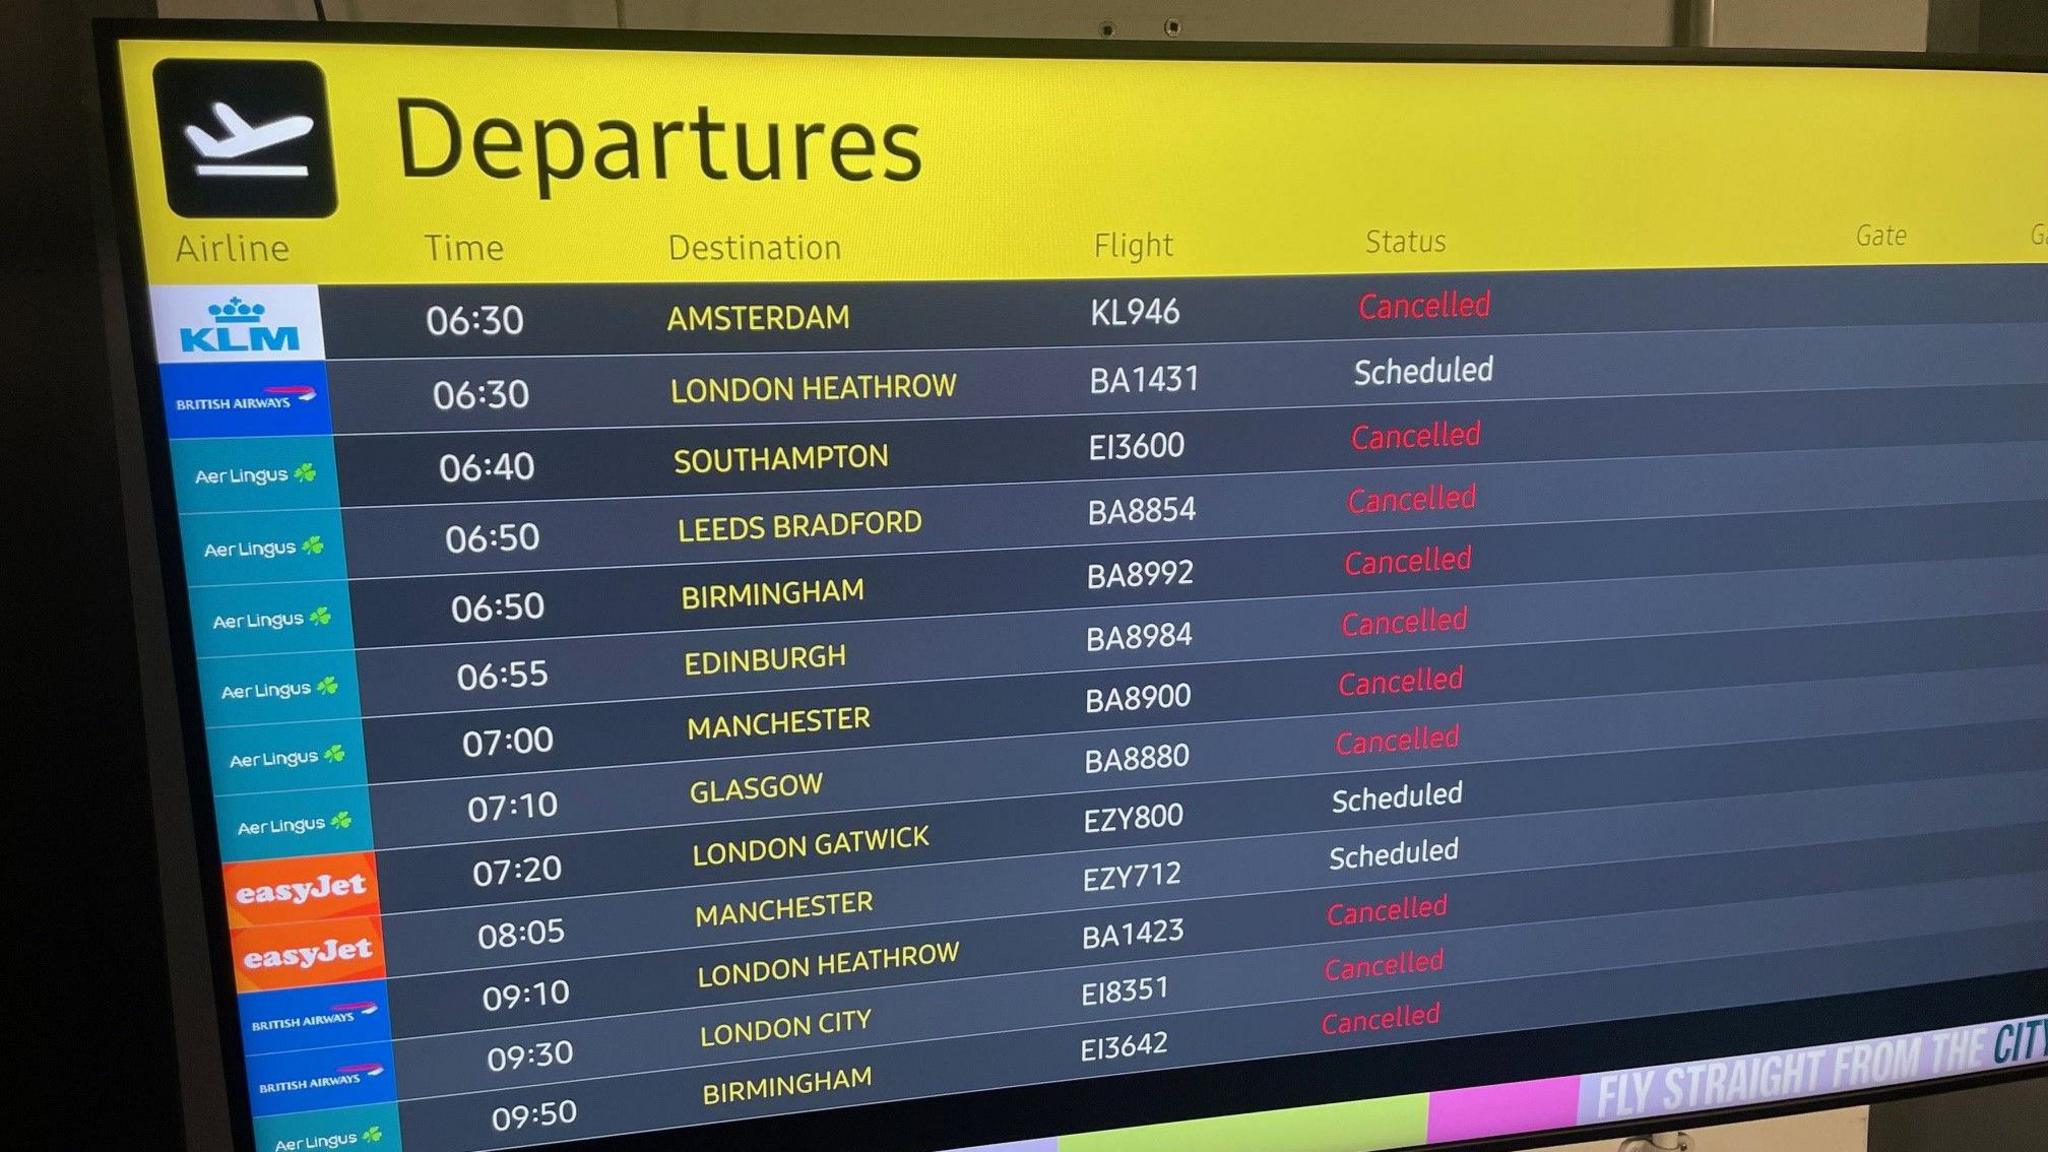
x,y
320,10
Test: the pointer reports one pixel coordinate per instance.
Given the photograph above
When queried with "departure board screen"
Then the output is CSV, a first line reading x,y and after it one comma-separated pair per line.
x,y
789,594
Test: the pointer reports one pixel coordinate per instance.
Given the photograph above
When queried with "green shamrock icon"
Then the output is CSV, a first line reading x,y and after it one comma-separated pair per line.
x,y
373,1134
315,545
305,473
321,616
327,686
342,819
335,754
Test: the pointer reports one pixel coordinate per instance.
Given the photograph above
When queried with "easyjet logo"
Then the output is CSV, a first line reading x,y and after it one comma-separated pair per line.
x,y
302,892
329,951
303,888
273,956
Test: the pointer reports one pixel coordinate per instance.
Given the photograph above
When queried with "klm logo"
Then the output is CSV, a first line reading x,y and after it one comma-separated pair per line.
x,y
238,327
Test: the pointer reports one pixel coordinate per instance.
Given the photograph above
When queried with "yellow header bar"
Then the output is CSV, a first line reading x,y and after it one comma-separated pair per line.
x,y
469,164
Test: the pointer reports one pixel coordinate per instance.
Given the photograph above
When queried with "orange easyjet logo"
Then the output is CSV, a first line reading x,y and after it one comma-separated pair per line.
x,y
304,888
316,952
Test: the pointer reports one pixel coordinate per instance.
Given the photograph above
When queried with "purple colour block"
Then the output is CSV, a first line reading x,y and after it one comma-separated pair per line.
x,y
1502,1109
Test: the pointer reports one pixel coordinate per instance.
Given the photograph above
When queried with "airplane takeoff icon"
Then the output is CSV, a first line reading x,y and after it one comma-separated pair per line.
x,y
241,139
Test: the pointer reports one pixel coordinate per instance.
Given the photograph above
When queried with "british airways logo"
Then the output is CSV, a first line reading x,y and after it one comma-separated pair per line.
x,y
237,326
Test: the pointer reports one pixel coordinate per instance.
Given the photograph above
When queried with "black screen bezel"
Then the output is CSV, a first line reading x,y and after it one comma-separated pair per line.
x,y
213,1087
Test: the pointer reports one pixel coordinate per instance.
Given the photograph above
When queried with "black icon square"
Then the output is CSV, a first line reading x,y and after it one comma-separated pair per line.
x,y
245,137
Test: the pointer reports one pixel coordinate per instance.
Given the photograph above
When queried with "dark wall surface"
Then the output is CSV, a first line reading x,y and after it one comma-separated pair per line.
x,y
96,1022
2013,27
2003,1118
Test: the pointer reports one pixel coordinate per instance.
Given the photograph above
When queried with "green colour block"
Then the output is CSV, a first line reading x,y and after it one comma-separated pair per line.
x,y
1357,1126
